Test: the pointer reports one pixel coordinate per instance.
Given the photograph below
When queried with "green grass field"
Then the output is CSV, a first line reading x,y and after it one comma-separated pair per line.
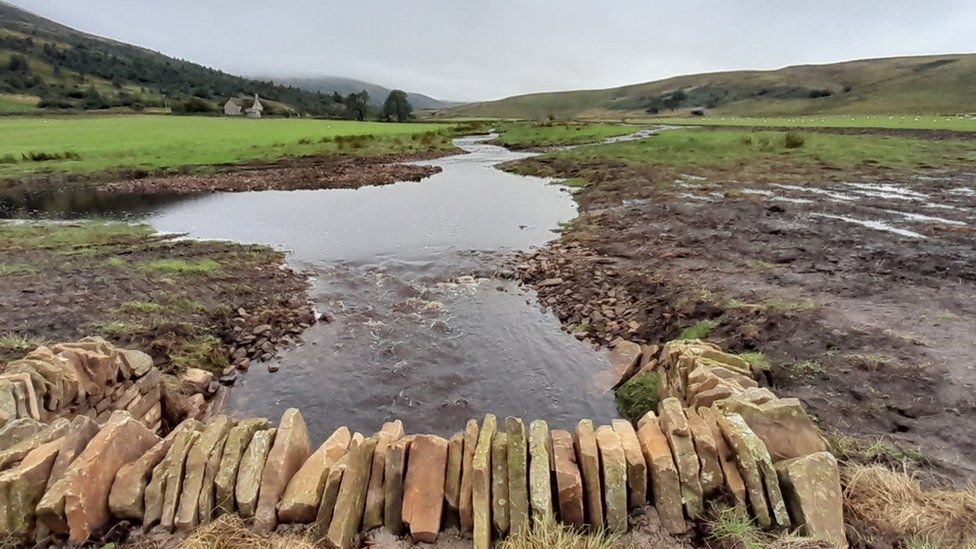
x,y
12,103
899,122
87,144
744,148
523,135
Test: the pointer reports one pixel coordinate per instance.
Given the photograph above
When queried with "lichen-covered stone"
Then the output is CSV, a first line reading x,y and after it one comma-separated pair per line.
x,y
333,481
187,511
481,483
208,493
569,482
301,499
18,430
736,432
589,458
396,461
730,471
452,481
811,487
711,476
666,485
540,479
249,472
782,424
77,436
168,471
225,483
21,489
614,467
373,516
465,510
674,423
518,475
15,453
636,467
290,450
351,501
499,483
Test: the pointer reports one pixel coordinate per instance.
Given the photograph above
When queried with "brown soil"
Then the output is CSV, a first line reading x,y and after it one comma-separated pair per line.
x,y
872,330
243,308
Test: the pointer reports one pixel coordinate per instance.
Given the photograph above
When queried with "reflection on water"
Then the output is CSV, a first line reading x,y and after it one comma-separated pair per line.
x,y
420,330
77,201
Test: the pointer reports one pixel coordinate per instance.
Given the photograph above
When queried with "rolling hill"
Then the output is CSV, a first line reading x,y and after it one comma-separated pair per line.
x,y
377,93
939,84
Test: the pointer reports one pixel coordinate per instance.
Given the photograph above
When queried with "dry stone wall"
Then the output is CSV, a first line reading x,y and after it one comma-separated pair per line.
x,y
716,434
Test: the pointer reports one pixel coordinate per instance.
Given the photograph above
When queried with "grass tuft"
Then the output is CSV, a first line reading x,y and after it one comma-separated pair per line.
x,y
638,396
182,266
11,343
551,534
231,532
756,359
733,527
699,330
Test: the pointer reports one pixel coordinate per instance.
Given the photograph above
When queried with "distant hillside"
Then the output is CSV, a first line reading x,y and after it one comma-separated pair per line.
x,y
938,84
377,93
46,64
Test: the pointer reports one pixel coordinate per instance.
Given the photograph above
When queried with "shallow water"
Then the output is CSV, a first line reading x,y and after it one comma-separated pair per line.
x,y
422,329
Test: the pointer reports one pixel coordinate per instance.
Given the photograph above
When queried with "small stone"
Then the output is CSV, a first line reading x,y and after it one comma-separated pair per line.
x,y
238,439
636,467
467,476
499,483
811,487
250,471
187,512
290,450
623,362
518,475
589,458
540,483
614,470
452,480
569,482
301,499
198,379
666,485
423,500
351,501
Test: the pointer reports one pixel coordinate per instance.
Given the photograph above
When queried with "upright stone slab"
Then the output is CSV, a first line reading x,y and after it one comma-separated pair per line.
x,y
88,480
765,464
333,481
290,450
518,475
250,471
675,426
499,484
711,477
422,500
614,478
373,516
168,471
350,504
624,360
301,499
15,453
636,467
734,432
540,481
569,482
666,485
452,482
811,487
207,502
126,499
225,482
467,476
21,489
187,511
79,433
589,457
782,424
730,471
481,483
396,461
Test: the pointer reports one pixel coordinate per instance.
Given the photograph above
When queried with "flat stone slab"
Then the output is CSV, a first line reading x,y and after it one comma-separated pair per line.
x,y
251,470
452,482
636,467
351,502
396,462
518,475
674,423
373,516
21,489
225,483
423,501
812,490
569,481
614,467
290,450
589,458
540,479
666,484
499,483
711,476
187,511
481,483
465,510
301,499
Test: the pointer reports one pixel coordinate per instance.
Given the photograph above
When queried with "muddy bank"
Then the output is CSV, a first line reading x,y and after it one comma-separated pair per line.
x,y
214,305
858,289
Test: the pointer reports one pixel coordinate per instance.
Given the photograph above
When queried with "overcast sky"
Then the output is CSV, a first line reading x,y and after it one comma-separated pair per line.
x,y
473,50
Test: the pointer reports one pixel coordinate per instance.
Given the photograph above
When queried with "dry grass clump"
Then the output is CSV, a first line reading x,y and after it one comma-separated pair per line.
x,y
733,528
230,532
894,505
549,533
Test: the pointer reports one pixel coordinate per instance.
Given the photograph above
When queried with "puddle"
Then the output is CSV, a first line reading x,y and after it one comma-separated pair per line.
x,y
876,225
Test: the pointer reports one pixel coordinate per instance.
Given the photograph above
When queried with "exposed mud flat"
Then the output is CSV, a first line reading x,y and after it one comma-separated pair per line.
x,y
860,290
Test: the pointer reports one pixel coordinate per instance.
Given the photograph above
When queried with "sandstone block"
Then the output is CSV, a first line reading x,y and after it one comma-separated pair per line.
x,y
811,487
351,501
168,471
518,475
422,499
18,430
711,476
249,472
396,460
481,483
614,467
79,433
208,493
589,458
674,423
666,484
624,360
452,481
238,439
290,450
540,479
737,433
569,482
782,424
499,483
465,510
301,499
373,516
187,511
21,489
730,471
198,379
636,467
15,453
333,481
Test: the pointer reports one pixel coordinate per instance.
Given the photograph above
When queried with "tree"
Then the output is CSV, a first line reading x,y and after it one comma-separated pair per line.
x,y
397,106
18,63
357,105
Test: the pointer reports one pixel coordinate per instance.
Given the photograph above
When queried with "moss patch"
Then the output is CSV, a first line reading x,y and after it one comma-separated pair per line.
x,y
638,396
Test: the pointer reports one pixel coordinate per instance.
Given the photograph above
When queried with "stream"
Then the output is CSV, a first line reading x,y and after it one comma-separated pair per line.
x,y
423,327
